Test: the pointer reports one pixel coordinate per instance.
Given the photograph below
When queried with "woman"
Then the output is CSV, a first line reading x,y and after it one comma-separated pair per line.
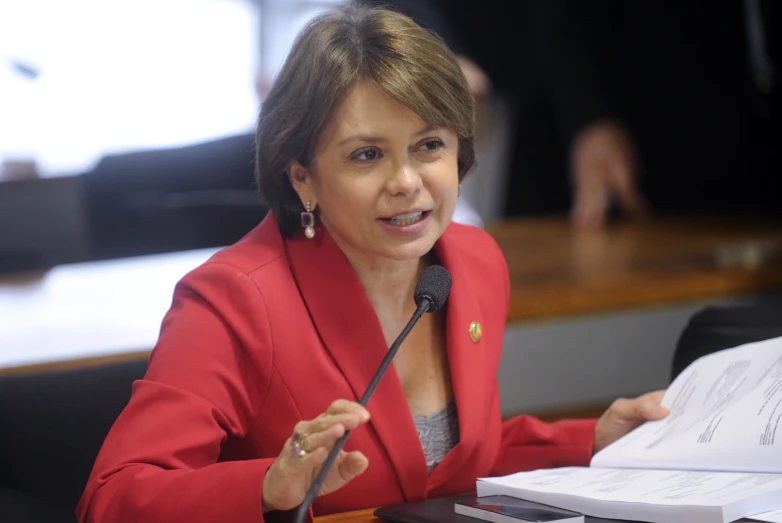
x,y
361,145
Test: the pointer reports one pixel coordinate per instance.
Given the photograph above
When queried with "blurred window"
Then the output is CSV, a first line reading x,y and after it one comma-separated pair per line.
x,y
82,78
281,20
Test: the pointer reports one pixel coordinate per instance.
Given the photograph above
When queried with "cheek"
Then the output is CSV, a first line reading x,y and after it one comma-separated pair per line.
x,y
446,181
348,202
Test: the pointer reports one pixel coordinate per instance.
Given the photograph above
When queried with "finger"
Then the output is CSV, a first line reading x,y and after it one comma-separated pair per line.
x,y
587,218
349,420
590,201
652,408
309,460
627,194
477,80
301,427
346,406
351,464
656,395
326,438
323,422
622,408
640,409
312,461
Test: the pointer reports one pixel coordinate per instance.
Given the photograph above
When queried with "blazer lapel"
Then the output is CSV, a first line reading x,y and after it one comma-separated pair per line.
x,y
466,359
351,333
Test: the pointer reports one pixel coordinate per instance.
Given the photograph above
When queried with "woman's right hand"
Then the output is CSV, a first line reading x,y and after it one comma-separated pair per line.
x,y
289,478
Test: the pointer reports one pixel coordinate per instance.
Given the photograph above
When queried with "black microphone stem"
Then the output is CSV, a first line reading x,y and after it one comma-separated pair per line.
x,y
315,487
422,309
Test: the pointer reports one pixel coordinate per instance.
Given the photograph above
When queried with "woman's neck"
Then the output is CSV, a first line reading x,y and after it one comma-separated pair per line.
x,y
390,285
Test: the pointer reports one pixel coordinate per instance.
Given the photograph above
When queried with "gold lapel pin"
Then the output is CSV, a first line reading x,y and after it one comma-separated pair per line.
x,y
476,331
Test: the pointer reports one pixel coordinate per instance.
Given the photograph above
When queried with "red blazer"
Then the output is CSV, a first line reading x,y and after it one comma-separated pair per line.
x,y
269,332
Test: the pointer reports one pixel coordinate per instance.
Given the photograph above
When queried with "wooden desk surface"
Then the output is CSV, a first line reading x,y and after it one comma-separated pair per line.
x,y
558,271
359,516
84,313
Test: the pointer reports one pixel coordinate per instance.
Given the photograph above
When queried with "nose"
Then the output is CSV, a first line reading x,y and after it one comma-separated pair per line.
x,y
404,181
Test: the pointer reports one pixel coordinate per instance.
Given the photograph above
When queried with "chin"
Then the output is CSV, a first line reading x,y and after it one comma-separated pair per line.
x,y
412,250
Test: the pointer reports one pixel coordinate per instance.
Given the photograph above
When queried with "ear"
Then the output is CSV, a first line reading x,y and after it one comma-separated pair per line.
x,y
301,181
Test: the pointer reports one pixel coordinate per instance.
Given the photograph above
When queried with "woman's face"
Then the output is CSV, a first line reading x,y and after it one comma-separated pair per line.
x,y
384,182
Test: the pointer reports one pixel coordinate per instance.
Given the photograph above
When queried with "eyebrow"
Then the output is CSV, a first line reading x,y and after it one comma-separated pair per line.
x,y
377,139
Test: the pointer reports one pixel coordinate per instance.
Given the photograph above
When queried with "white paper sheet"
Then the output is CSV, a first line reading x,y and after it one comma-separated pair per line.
x,y
725,415
647,495
775,516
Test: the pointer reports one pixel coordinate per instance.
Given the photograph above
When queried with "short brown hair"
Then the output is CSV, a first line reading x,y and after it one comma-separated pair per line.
x,y
331,54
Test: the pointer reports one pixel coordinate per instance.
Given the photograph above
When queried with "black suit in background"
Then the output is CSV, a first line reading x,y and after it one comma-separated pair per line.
x,y
683,81
675,73
180,198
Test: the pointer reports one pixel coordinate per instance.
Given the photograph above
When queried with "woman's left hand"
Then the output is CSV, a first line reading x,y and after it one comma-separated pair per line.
x,y
625,415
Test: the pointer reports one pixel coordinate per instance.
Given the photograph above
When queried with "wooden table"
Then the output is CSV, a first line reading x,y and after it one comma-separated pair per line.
x,y
84,313
558,271
358,516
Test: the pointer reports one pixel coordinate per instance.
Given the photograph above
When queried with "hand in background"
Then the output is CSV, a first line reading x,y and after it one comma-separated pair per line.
x,y
289,478
477,79
625,415
602,162
481,87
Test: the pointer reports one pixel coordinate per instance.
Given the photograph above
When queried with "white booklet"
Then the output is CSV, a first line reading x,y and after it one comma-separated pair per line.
x,y
775,516
717,457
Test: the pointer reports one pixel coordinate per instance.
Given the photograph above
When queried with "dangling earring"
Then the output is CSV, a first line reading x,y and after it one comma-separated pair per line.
x,y
308,222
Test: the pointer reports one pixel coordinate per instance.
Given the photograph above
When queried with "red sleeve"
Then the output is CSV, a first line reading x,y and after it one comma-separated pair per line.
x,y
205,384
529,444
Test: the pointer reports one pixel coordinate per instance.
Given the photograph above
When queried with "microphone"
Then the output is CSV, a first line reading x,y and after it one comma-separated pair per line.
x,y
431,293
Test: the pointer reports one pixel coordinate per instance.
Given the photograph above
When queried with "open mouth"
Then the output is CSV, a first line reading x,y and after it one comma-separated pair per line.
x,y
403,220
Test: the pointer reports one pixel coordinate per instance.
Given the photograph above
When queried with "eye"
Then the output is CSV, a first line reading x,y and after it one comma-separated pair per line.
x,y
432,145
366,155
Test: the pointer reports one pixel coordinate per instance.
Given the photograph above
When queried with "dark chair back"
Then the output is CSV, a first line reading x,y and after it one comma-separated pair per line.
x,y
192,197
721,327
52,426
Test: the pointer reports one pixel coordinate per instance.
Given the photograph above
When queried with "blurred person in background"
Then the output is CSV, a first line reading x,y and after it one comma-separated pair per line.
x,y
571,150
626,106
696,81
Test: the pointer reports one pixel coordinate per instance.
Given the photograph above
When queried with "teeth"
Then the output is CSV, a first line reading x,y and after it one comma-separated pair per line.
x,y
406,219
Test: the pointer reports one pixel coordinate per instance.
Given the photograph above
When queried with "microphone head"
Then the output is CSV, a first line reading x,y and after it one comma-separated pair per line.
x,y
434,285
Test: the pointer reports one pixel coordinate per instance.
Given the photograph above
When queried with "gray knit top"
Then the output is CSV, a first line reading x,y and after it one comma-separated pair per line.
x,y
438,432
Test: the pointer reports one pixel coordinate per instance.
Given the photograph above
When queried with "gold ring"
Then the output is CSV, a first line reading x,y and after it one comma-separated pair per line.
x,y
297,447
